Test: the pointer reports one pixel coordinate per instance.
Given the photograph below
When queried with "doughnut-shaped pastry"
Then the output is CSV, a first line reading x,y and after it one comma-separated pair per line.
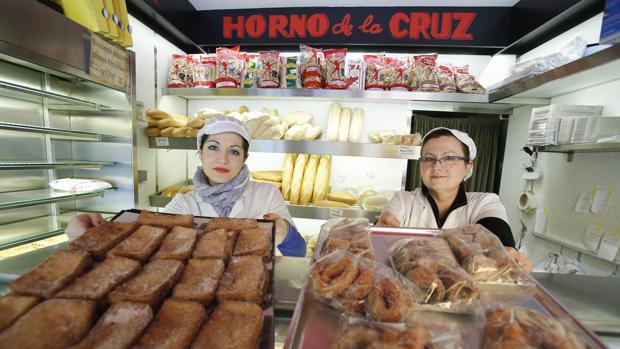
x,y
362,284
330,277
389,301
357,337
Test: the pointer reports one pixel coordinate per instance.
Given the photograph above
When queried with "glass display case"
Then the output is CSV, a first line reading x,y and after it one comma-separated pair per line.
x,y
58,120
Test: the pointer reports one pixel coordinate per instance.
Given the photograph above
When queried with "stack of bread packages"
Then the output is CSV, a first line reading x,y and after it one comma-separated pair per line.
x,y
159,282
406,290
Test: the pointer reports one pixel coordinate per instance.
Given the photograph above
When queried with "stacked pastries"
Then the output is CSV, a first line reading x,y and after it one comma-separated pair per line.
x,y
150,284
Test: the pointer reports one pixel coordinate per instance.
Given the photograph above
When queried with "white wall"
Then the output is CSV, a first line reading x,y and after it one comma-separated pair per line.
x,y
563,181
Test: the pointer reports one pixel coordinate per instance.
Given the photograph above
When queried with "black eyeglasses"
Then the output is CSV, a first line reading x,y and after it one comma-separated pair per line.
x,y
447,161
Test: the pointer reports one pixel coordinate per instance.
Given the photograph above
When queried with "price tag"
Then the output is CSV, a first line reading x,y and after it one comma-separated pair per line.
x,y
409,151
161,142
335,213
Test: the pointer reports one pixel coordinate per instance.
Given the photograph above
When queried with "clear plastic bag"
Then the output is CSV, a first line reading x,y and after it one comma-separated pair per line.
x,y
424,79
345,234
180,71
374,72
483,256
204,70
269,69
335,67
361,334
428,263
515,327
311,70
445,78
361,287
398,73
230,67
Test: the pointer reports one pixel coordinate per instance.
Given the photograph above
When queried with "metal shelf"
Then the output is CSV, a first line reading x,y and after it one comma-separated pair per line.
x,y
59,165
581,148
302,93
297,211
574,245
27,198
63,134
58,101
35,229
304,147
594,69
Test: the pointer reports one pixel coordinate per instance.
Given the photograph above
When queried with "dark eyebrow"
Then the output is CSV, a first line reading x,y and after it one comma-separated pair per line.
x,y
234,145
213,140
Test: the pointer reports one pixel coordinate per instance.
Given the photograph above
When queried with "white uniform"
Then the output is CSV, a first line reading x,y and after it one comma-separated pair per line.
x,y
257,200
412,209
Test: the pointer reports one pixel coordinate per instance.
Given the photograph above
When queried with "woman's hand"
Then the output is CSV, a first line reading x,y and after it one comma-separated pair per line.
x,y
81,223
388,220
520,258
281,226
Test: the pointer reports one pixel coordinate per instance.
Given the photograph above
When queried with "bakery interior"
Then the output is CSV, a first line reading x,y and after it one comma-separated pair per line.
x,y
81,133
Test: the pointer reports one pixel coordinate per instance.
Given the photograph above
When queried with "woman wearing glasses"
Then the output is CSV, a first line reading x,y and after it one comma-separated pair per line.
x,y
446,162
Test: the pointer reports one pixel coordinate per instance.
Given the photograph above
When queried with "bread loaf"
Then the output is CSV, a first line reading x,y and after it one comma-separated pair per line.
x,y
152,132
307,186
355,130
172,122
298,175
342,197
277,184
321,182
287,174
333,122
328,203
192,132
158,114
195,122
180,131
167,132
345,122
272,176
152,122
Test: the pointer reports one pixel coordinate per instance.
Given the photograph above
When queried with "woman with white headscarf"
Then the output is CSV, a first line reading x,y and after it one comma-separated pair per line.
x,y
446,162
222,187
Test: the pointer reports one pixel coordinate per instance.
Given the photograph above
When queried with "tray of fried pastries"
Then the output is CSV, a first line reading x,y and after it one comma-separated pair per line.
x,y
149,280
381,287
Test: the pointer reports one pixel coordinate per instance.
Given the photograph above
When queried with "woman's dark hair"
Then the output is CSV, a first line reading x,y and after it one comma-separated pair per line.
x,y
244,144
442,132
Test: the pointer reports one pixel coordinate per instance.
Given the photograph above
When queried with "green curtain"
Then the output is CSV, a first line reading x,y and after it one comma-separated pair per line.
x,y
485,131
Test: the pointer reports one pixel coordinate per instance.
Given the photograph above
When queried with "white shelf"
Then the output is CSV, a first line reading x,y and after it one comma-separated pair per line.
x,y
574,245
304,147
63,134
581,148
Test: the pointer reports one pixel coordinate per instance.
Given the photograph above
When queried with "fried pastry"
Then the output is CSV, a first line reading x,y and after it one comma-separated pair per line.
x,y
12,307
36,328
100,239
200,280
178,244
167,221
243,280
216,244
56,272
231,224
255,242
174,327
233,325
102,279
118,327
151,284
141,244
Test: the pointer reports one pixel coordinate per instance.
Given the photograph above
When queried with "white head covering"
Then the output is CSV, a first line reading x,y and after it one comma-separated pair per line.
x,y
461,136
221,124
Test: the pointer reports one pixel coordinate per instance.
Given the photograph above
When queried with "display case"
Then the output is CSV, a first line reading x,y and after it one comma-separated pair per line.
x,y
58,119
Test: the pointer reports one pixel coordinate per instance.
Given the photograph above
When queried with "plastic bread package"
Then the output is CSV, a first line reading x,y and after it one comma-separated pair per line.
x,y
345,234
398,72
179,73
335,68
269,69
230,67
250,80
374,72
310,68
424,73
466,82
516,327
360,333
445,78
360,287
482,255
354,73
204,70
429,264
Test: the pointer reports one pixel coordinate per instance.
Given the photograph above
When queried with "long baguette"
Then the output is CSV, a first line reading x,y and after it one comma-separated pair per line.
x,y
321,183
328,203
307,186
333,122
345,122
298,174
158,114
287,174
355,130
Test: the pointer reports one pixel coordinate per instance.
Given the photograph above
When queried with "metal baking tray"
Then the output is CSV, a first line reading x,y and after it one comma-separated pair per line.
x,y
315,324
